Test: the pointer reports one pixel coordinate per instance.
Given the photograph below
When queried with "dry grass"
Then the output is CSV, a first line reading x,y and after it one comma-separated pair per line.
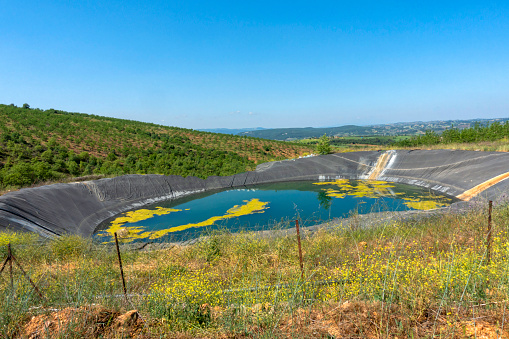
x,y
486,146
403,279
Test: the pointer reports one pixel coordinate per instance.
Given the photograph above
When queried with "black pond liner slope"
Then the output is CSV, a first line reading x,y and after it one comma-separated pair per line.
x,y
78,208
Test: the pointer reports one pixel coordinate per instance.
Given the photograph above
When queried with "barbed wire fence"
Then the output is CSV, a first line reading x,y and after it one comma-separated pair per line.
x,y
31,285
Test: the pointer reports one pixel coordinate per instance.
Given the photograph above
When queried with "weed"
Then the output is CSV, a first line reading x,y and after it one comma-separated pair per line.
x,y
420,277
70,246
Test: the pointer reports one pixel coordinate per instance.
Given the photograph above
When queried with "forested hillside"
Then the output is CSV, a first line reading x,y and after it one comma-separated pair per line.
x,y
39,145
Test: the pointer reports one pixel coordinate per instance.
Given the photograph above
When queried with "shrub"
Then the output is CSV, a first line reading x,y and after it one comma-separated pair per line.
x,y
21,174
15,238
42,171
70,246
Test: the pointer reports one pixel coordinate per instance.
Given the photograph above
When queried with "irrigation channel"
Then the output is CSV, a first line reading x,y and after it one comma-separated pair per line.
x,y
266,206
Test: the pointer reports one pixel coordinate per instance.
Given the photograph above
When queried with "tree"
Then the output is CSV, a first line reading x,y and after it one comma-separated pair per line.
x,y
324,145
42,171
72,167
21,174
26,106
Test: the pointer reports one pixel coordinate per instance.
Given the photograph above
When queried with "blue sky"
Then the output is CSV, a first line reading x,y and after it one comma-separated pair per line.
x,y
210,64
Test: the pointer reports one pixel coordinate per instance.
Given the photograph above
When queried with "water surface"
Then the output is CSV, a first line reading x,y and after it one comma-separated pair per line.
x,y
267,206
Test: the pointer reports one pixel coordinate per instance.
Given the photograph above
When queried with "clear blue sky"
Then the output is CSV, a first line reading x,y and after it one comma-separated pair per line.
x,y
209,64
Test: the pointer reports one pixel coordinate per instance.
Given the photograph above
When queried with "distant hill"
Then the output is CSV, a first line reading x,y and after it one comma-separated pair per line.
x,y
232,131
306,132
400,128
39,145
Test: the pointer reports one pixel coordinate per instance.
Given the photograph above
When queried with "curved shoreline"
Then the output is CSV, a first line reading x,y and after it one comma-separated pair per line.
x,y
78,208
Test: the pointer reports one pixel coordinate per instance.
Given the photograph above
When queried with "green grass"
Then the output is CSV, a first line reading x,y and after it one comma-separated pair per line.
x,y
415,278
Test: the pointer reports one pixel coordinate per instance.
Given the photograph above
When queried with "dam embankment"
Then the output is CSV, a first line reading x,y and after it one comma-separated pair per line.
x,y
78,208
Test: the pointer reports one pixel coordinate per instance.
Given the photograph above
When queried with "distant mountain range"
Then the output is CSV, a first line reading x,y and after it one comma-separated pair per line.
x,y
233,131
400,128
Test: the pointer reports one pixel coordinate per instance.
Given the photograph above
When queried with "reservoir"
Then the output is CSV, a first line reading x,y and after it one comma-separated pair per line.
x,y
267,206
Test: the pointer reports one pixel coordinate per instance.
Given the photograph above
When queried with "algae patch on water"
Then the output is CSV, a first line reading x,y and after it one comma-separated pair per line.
x,y
361,189
376,189
420,203
248,208
138,232
135,216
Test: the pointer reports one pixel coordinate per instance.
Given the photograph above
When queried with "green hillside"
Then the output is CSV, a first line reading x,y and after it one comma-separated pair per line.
x,y
45,145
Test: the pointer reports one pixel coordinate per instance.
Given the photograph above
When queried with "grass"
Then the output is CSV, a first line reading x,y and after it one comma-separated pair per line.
x,y
404,278
501,145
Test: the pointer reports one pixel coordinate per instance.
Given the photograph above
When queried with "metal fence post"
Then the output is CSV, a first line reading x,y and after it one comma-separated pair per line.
x,y
121,269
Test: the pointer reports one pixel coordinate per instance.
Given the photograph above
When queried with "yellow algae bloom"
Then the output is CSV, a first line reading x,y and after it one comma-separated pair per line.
x,y
250,207
376,189
379,183
419,204
364,188
424,205
138,232
334,193
138,215
371,189
335,182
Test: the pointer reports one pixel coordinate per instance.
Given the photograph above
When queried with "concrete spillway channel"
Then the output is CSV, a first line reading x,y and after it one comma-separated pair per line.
x,y
78,208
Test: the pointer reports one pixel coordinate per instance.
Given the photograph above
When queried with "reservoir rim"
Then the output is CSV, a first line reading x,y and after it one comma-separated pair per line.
x,y
206,193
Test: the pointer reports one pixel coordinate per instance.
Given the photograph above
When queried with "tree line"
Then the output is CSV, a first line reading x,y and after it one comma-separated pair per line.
x,y
477,133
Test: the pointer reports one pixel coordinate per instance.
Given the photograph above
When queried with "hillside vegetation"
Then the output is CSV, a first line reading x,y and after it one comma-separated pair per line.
x,y
394,129
477,134
40,145
307,132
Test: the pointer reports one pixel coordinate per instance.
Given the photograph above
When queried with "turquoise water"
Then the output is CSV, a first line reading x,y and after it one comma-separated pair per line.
x,y
266,207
